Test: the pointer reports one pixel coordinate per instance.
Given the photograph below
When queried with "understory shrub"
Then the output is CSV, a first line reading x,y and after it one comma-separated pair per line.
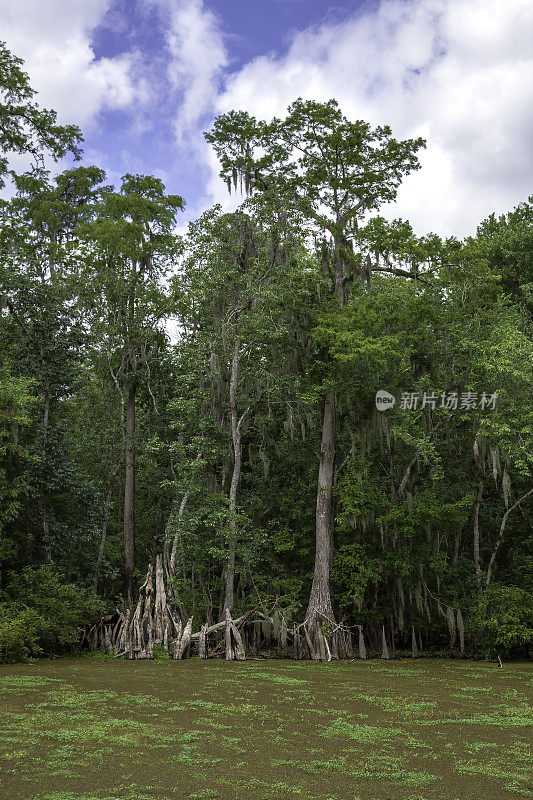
x,y
18,633
41,614
502,621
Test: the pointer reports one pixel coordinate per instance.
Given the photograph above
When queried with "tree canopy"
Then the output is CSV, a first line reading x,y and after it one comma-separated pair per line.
x,y
207,402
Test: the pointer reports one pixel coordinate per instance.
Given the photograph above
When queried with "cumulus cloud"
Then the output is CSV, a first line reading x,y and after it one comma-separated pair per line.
x,y
54,39
198,59
454,71
458,72
195,71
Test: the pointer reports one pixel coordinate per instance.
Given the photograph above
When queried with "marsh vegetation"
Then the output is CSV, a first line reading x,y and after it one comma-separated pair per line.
x,y
101,729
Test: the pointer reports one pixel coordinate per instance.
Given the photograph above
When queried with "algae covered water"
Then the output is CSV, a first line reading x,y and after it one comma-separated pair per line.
x,y
99,729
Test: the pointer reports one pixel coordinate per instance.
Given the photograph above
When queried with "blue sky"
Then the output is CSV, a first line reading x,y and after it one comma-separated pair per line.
x,y
247,30
144,78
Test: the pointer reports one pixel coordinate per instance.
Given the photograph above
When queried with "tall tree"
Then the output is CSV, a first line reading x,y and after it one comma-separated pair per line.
x,y
232,279
26,129
131,242
37,235
330,173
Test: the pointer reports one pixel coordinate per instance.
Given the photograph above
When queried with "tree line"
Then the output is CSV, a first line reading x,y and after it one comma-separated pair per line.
x,y
211,397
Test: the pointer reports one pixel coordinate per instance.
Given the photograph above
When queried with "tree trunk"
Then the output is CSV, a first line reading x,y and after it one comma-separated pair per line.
x,y
129,496
176,541
501,535
414,646
320,610
202,642
384,646
477,563
170,559
229,574
319,618
107,511
361,642
42,494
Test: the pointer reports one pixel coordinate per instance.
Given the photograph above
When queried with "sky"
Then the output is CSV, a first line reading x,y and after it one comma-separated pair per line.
x,y
145,78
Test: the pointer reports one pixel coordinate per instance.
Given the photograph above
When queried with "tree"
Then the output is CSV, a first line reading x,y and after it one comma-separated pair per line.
x,y
36,238
25,128
129,245
329,173
233,280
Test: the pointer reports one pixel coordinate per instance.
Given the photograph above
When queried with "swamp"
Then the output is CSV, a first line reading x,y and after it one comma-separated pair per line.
x,y
102,729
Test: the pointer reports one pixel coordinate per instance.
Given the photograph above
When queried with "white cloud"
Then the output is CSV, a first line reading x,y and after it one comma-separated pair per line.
x,y
54,39
459,72
198,58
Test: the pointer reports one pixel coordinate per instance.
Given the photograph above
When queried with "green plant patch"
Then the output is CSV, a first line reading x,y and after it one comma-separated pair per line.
x,y
284,680
98,729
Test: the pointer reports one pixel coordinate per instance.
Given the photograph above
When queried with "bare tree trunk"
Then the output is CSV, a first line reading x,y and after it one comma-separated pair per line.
x,y
229,574
477,563
129,496
319,618
42,496
361,638
320,609
384,646
107,511
500,536
176,540
414,646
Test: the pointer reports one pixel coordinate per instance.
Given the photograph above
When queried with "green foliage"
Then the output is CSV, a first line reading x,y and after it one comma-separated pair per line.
x,y
506,243
226,342
26,128
19,633
160,654
43,614
502,621
337,164
16,405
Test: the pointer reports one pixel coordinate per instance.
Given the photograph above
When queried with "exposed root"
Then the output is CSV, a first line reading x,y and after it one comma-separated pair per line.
x,y
156,622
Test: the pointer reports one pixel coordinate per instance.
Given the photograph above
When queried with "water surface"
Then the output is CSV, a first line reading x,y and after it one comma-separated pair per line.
x,y
100,729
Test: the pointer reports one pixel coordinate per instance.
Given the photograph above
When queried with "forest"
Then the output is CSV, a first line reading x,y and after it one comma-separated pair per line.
x,y
299,424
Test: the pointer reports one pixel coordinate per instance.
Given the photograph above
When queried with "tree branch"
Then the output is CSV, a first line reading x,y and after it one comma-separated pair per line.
x,y
501,534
